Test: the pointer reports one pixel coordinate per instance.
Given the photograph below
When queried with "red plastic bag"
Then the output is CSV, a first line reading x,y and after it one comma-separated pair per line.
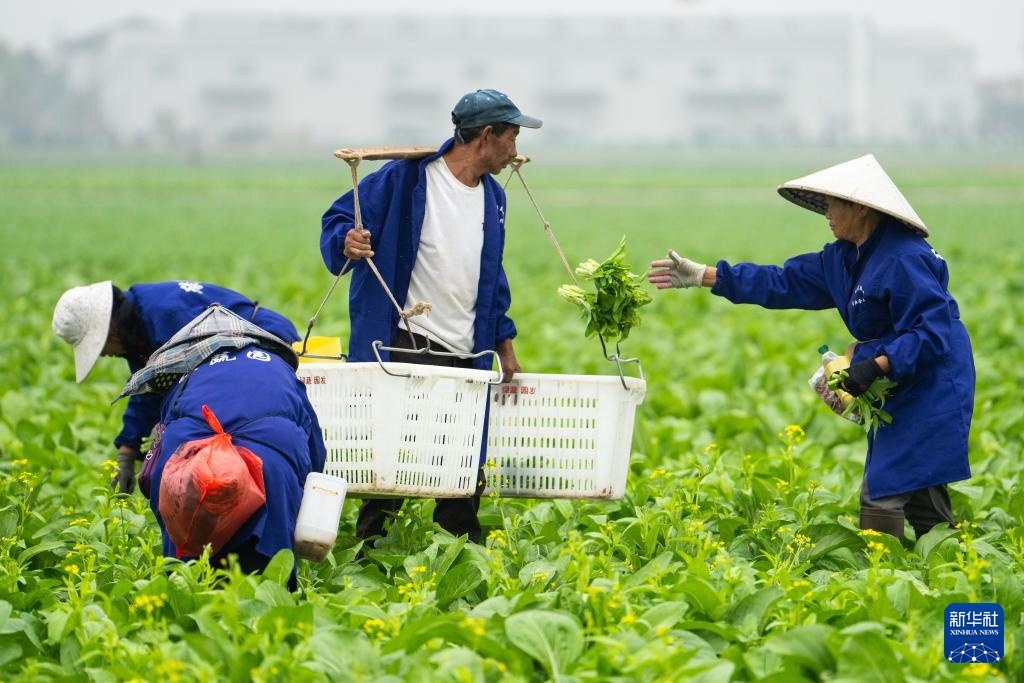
x,y
209,489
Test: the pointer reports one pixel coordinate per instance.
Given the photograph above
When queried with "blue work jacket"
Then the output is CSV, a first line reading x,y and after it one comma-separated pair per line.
x,y
260,402
892,294
166,307
392,202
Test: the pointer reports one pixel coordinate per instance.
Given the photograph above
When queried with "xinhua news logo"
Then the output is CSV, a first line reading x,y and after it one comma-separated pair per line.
x,y
974,632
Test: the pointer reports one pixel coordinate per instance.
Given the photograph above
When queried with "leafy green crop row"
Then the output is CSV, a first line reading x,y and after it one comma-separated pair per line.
x,y
734,555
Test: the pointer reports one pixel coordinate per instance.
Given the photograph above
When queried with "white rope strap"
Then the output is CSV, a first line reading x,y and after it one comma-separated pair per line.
x,y
419,308
516,165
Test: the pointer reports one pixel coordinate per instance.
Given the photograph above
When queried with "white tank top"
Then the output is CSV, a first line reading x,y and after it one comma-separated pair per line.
x,y
447,269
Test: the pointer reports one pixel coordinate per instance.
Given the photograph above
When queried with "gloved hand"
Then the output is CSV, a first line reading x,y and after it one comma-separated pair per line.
x,y
676,271
124,482
860,375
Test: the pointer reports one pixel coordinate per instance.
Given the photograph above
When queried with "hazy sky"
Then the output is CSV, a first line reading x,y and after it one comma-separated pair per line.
x,y
994,28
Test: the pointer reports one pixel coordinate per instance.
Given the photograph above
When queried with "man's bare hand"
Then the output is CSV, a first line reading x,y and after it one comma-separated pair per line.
x,y
357,244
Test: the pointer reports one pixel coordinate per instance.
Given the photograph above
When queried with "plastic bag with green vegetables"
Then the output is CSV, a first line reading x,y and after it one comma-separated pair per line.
x,y
612,309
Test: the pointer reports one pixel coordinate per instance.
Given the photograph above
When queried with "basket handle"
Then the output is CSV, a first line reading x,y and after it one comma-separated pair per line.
x,y
378,345
619,360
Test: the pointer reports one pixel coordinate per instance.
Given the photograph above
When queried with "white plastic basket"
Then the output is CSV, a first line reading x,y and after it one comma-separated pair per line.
x,y
561,436
413,435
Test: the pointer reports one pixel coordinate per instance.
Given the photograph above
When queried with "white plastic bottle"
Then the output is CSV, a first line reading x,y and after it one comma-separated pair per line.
x,y
316,527
837,400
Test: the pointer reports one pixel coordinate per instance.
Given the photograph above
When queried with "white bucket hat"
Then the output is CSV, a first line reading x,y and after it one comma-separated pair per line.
x,y
82,319
861,180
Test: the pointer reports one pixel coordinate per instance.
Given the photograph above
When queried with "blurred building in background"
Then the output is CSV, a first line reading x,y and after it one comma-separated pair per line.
x,y
361,79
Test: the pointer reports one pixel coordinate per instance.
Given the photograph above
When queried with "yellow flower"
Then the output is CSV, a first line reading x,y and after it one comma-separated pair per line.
x,y
711,448
169,669
373,625
80,521
975,569
627,619
802,541
148,603
498,537
474,625
661,630
418,569
869,532
72,569
980,669
20,462
794,433
658,472
879,548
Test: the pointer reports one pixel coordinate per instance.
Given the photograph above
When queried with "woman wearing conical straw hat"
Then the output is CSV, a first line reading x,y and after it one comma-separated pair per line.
x,y
890,288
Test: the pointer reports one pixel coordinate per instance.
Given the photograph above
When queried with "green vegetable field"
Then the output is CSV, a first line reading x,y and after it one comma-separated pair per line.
x,y
734,556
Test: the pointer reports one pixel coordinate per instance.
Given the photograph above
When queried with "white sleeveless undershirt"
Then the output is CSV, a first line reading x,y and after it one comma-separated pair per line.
x,y
447,269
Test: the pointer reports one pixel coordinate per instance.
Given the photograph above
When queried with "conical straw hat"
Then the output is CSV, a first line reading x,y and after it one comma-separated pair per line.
x,y
861,180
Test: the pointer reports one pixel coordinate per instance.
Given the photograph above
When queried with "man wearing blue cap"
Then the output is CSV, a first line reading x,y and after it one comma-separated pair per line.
x,y
435,228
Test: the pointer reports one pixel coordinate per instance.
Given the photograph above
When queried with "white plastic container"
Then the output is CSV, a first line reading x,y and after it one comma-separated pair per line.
x,y
417,433
562,436
316,528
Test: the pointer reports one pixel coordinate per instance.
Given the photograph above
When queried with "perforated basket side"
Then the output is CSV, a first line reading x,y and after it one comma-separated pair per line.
x,y
343,401
561,436
435,434
415,435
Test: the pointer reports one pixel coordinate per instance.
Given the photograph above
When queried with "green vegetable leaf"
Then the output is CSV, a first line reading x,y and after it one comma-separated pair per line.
x,y
869,404
611,310
552,638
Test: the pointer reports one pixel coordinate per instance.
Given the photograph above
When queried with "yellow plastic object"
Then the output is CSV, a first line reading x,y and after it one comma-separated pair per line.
x,y
319,349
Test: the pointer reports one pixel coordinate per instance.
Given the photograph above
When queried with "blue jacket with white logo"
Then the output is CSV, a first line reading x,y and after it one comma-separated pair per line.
x,y
894,300
263,406
166,307
392,201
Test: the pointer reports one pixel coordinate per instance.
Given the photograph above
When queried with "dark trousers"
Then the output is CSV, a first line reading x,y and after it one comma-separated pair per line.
x,y
923,508
457,516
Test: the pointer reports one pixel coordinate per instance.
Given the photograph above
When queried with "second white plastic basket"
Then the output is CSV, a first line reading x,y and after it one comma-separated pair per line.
x,y
413,435
561,436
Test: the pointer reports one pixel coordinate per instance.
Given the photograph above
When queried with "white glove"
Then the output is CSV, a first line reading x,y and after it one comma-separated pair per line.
x,y
676,271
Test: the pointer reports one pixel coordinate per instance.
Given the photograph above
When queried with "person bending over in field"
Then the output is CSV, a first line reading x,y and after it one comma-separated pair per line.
x,y
102,320
890,288
436,229
246,376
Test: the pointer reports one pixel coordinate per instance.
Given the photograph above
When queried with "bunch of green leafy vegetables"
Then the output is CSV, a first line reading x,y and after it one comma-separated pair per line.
x,y
612,309
869,405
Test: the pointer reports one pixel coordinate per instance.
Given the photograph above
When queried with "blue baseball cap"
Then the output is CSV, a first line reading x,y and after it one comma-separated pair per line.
x,y
488,106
